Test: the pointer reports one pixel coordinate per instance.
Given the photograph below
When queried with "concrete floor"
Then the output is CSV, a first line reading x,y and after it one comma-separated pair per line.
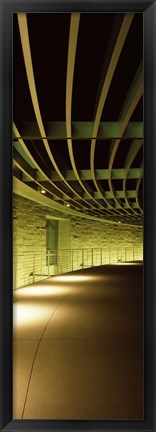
x,y
78,346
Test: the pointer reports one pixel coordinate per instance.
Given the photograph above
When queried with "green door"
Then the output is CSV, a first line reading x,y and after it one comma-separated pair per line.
x,y
52,240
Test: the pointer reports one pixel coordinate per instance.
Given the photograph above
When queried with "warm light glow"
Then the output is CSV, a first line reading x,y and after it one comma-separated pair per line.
x,y
28,313
68,205
40,291
71,278
127,263
43,191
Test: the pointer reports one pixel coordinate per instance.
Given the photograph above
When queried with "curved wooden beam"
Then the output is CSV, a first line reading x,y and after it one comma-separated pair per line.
x,y
134,148
132,99
23,28
106,85
37,167
81,130
73,36
28,165
137,190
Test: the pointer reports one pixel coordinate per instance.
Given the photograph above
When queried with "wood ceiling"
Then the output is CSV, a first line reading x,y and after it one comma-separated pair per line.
x,y
78,111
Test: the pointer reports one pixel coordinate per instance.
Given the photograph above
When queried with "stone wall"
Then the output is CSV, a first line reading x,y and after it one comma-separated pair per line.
x,y
111,242
29,241
92,242
93,234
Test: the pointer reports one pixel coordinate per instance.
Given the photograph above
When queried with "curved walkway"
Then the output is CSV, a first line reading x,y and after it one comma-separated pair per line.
x,y
78,346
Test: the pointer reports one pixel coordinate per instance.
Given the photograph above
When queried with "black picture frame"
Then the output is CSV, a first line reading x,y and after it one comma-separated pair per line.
x,y
7,8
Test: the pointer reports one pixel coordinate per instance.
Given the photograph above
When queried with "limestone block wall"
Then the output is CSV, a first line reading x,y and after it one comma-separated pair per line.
x,y
28,237
29,241
104,242
81,242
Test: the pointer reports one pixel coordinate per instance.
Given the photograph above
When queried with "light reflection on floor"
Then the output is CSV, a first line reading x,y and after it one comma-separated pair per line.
x,y
77,342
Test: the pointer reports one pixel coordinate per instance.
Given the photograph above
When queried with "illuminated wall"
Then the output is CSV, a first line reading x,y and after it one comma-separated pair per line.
x,y
29,235
94,234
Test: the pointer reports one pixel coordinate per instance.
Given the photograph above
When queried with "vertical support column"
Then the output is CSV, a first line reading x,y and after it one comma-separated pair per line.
x,y
101,255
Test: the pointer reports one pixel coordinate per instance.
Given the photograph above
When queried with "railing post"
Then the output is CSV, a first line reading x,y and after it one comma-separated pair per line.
x,y
117,255
82,258
34,267
15,272
48,263
72,259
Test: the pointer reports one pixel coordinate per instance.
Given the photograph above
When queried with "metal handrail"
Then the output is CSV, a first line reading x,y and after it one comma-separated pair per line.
x,y
30,267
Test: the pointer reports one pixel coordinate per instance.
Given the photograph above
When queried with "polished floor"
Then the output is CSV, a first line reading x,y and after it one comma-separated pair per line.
x,y
78,346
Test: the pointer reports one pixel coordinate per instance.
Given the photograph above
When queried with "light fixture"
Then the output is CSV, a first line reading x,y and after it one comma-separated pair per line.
x,y
43,191
68,205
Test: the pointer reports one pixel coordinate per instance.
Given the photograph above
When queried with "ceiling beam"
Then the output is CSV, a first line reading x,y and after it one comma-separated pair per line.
x,y
40,172
138,182
24,35
101,174
72,45
81,130
108,79
24,190
134,94
134,148
116,51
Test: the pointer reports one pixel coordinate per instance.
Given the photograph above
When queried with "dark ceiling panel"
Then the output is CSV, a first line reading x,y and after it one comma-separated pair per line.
x,y
121,153
22,105
102,154
138,159
93,38
82,153
49,33
138,112
60,152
